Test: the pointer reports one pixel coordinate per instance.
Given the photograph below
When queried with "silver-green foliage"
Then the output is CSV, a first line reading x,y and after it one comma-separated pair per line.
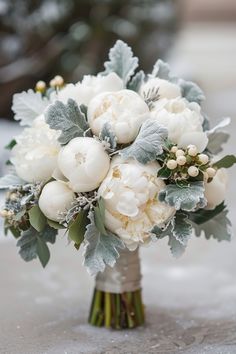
x,y
186,197
101,249
148,144
68,118
121,61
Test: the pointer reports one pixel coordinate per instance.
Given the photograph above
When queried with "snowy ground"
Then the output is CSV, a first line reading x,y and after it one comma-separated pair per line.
x,y
190,302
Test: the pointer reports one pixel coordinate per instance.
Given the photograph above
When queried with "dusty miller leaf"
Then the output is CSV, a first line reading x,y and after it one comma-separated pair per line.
x,y
191,91
10,180
121,61
136,81
100,249
216,137
68,118
182,230
28,105
108,136
184,197
148,144
161,70
201,216
219,227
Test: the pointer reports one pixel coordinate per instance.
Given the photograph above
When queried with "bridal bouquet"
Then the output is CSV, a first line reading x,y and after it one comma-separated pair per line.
x,y
118,160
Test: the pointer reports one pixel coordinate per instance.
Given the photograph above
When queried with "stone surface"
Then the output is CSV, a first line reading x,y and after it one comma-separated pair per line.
x,y
190,302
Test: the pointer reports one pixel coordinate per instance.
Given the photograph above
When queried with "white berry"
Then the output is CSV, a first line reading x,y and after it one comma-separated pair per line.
x,y
211,172
174,149
181,160
40,86
203,158
171,164
59,80
192,150
193,171
53,83
179,153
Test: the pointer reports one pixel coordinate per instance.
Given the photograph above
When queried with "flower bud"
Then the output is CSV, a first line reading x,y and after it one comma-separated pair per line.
x,y
181,160
59,81
56,198
53,83
193,171
171,164
174,149
203,158
40,86
211,172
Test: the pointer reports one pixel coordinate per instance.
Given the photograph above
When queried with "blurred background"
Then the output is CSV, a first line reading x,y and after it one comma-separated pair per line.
x,y
191,302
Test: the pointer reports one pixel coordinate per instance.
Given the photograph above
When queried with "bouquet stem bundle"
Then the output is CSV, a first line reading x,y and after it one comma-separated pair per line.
x,y
117,299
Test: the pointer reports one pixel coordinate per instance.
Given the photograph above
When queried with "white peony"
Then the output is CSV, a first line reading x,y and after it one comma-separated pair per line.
x,y
166,89
216,189
124,110
35,154
130,192
89,87
56,198
84,163
183,120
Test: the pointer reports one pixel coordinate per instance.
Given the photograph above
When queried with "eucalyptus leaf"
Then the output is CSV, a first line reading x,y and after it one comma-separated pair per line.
x,y
68,118
226,162
191,91
28,105
78,228
37,218
121,61
11,144
164,172
10,180
186,197
136,81
55,225
215,142
148,144
100,249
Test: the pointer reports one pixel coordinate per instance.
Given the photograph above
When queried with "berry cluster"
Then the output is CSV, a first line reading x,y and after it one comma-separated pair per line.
x,y
183,164
56,83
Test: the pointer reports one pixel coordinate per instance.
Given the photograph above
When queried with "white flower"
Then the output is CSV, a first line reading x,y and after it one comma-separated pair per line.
x,y
130,192
166,89
55,199
124,110
35,154
84,163
216,189
183,120
89,87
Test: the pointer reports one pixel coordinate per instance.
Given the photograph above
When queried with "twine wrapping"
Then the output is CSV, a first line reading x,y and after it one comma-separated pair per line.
x,y
125,276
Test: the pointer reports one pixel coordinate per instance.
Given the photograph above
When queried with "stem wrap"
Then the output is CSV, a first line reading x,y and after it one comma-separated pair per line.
x,y
125,276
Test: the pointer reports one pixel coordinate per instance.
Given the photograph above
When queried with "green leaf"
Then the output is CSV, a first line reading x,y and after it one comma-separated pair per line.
x,y
43,252
186,197
161,70
218,227
225,162
176,247
49,234
136,81
191,91
121,61
108,136
164,173
100,249
28,105
10,180
148,144
216,137
37,218
55,225
78,228
11,144
200,216
68,118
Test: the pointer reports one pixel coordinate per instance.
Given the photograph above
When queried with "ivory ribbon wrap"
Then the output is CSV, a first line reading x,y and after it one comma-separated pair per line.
x,y
124,276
